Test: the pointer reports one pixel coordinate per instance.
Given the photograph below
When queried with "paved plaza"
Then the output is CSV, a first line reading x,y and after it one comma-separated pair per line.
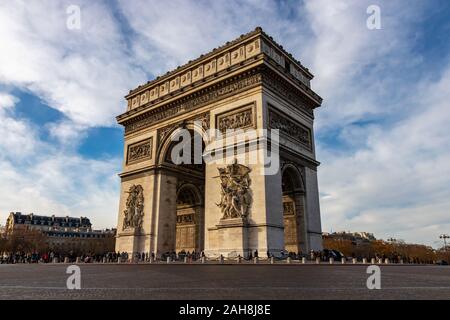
x,y
214,281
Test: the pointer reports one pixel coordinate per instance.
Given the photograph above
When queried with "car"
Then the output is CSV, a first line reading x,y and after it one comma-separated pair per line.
x,y
331,253
442,263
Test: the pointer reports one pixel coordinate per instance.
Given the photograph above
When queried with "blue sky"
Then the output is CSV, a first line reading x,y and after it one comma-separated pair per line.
x,y
382,134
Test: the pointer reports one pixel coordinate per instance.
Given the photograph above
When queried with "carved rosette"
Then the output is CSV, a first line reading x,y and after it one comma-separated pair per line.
x,y
134,212
235,199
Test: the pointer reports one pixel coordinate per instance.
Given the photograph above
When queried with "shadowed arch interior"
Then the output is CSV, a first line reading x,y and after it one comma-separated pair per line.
x,y
189,226
293,210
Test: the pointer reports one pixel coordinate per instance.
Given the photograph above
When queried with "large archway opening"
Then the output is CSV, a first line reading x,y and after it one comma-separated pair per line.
x,y
293,211
185,231
189,226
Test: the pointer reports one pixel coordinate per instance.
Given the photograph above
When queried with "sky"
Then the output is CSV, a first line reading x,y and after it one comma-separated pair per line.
x,y
382,133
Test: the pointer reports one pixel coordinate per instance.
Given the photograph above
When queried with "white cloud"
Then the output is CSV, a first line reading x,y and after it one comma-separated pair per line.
x,y
17,138
49,178
391,177
82,73
7,101
398,183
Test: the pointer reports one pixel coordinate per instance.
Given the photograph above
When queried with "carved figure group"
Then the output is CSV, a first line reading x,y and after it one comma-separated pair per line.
x,y
134,212
235,191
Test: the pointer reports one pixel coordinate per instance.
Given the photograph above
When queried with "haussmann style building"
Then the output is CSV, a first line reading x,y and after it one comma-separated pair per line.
x,y
230,207
60,232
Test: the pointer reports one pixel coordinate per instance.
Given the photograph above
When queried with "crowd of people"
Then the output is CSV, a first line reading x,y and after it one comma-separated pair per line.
x,y
48,257
111,257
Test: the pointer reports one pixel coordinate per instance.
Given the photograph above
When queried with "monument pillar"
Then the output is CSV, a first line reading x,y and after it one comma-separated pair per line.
x,y
165,213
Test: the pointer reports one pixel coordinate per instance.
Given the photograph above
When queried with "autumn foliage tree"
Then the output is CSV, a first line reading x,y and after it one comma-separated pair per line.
x,y
413,253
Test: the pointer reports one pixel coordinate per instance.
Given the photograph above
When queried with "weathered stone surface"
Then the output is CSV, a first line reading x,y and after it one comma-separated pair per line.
x,y
234,207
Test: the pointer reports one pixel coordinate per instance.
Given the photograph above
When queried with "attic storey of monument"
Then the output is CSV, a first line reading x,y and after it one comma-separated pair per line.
x,y
232,207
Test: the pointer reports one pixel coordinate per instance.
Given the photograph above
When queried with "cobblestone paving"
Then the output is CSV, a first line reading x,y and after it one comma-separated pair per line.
x,y
211,281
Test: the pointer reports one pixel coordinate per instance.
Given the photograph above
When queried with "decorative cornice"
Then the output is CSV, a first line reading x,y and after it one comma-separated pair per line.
x,y
195,100
260,75
232,54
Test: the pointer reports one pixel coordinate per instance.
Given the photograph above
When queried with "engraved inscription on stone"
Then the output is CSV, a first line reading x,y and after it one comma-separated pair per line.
x,y
290,128
140,151
236,119
185,219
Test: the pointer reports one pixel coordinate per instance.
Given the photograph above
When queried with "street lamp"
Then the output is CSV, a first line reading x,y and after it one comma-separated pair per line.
x,y
444,237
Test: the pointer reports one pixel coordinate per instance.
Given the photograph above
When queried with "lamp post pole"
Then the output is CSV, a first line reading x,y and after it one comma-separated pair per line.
x,y
444,237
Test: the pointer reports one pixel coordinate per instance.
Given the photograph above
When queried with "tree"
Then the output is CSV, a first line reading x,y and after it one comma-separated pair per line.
x,y
342,245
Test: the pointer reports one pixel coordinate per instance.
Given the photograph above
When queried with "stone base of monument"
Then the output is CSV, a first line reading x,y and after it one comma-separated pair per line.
x,y
232,234
130,240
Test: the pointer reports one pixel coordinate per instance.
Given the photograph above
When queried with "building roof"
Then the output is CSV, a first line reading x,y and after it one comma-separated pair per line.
x,y
31,218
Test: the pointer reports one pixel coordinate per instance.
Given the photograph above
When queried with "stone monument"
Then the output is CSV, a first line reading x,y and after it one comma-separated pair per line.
x,y
230,207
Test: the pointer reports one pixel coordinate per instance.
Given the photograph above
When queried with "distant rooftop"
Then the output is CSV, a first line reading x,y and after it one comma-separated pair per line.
x,y
31,218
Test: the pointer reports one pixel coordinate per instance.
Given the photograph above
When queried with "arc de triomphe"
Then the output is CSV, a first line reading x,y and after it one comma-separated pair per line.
x,y
227,207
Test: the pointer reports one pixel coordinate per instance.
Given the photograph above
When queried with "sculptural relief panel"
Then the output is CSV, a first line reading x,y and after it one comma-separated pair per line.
x,y
240,118
140,151
290,129
236,197
134,211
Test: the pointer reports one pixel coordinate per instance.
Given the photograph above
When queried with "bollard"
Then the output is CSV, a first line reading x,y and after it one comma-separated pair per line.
x,y
288,260
150,260
185,260
354,260
317,260
255,260
272,260
78,260
119,260
372,261
168,260
380,261
55,260
401,261
303,260
364,261
105,260
386,261
343,260
203,259
331,260
66,260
